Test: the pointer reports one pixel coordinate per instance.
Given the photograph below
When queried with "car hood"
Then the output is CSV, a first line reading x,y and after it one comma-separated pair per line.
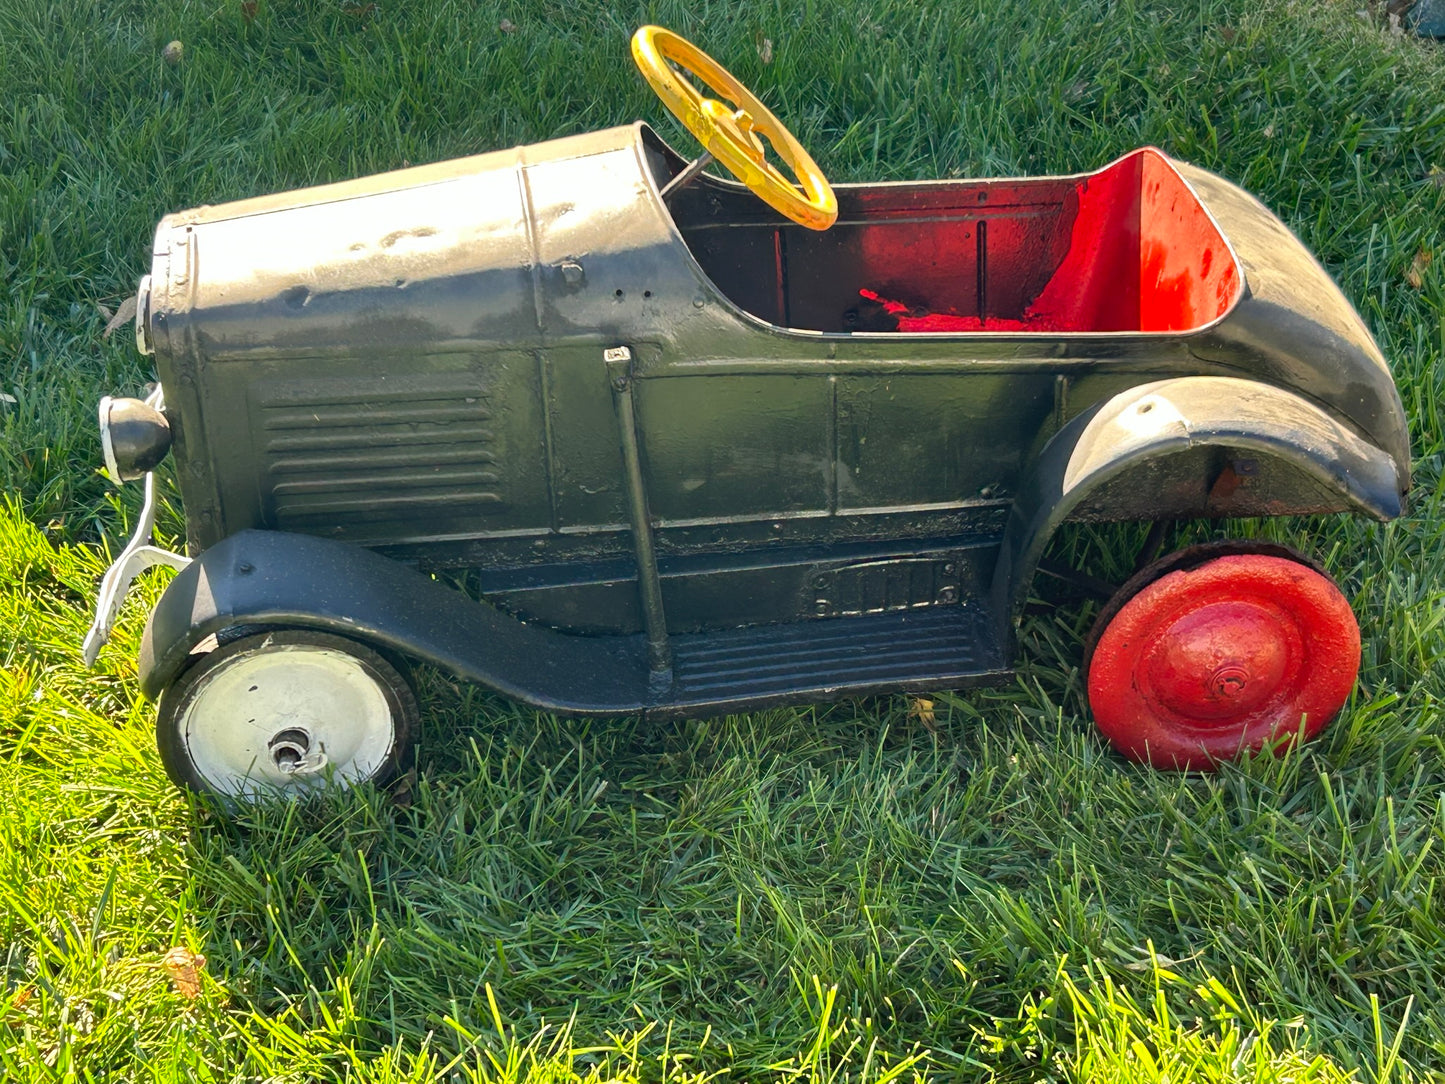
x,y
517,248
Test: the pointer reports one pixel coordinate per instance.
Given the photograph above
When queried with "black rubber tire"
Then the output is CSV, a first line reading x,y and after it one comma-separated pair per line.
x,y
174,700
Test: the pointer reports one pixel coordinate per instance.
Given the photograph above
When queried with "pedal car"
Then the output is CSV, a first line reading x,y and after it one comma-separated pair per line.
x,y
591,427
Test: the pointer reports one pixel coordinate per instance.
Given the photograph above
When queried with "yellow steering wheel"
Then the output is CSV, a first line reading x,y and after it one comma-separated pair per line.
x,y
730,133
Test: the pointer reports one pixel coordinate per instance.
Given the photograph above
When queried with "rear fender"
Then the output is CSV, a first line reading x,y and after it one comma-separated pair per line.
x,y
1190,447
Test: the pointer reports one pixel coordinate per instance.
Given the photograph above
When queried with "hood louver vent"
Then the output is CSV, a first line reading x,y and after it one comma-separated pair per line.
x,y
373,465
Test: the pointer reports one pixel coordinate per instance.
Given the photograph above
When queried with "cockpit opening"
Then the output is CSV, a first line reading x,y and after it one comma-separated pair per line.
x,y
1128,248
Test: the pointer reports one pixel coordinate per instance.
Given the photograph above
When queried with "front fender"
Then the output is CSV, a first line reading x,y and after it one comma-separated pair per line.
x,y
298,581
1191,447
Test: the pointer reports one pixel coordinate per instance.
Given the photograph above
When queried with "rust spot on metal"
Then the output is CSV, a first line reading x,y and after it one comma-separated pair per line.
x,y
396,235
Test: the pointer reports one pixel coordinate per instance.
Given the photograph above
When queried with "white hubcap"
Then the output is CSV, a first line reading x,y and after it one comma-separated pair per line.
x,y
285,716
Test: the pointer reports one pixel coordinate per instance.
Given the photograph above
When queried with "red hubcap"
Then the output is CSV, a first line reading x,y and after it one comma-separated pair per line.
x,y
1233,655
1220,660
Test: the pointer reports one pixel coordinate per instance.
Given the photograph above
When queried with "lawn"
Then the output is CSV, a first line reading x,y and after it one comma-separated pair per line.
x,y
867,891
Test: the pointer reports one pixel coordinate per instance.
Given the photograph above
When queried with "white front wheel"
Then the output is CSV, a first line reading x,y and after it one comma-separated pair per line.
x,y
285,712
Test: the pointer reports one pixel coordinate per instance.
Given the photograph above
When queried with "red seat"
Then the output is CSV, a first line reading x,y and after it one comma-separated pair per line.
x,y
1143,255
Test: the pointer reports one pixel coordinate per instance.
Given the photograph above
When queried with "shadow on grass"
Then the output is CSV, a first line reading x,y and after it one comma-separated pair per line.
x,y
966,884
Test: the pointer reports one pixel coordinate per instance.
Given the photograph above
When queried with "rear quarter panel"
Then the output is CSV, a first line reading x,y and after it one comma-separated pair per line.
x,y
1294,327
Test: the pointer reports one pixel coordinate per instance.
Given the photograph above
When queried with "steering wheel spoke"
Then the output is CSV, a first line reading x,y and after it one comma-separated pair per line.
x,y
689,92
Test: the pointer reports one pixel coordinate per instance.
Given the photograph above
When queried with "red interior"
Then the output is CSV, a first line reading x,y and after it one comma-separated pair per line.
x,y
1142,256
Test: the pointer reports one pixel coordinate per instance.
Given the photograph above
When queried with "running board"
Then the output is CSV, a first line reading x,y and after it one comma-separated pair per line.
x,y
824,659
277,579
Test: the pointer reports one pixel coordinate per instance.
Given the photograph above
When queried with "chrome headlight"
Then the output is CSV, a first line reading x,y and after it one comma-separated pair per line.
x,y
134,437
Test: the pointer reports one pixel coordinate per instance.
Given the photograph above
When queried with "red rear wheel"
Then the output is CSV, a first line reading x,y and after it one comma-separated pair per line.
x,y
1233,654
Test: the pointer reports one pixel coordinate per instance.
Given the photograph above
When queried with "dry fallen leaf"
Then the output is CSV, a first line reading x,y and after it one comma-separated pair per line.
x,y
123,315
765,49
1148,965
22,995
248,9
402,790
921,708
1415,275
506,26
184,967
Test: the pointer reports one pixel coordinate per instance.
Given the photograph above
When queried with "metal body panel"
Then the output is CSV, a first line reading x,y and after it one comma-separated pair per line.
x,y
760,585
566,244
413,363
1294,328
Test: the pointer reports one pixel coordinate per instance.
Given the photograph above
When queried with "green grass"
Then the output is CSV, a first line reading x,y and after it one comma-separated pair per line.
x,y
830,893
